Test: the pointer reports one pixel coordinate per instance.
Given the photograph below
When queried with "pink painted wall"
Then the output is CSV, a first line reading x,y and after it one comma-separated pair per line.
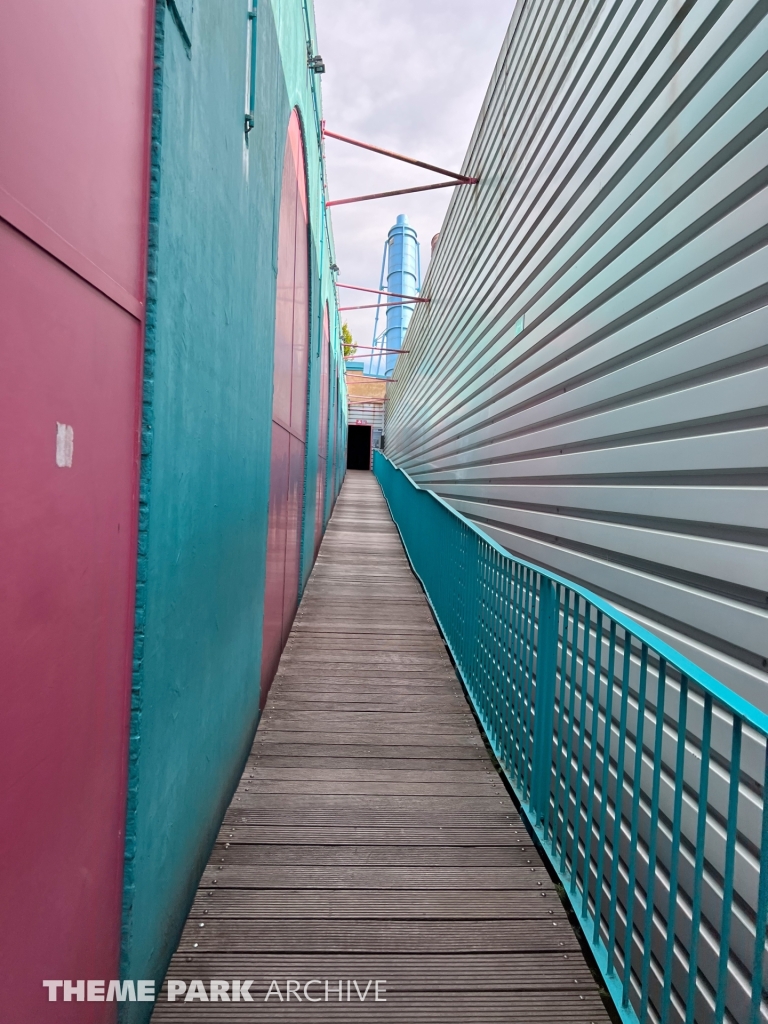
x,y
74,80
73,117
322,443
289,410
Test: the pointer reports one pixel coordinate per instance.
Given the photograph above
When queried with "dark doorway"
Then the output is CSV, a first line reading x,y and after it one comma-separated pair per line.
x,y
359,446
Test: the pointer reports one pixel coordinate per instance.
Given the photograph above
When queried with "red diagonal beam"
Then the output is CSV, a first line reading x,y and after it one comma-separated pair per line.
x,y
391,351
463,178
378,291
374,305
398,192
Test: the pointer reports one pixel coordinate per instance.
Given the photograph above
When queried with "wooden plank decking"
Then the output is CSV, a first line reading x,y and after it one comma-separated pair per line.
x,y
370,837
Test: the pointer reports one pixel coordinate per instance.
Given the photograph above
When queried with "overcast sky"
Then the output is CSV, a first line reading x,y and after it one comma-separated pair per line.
x,y
408,75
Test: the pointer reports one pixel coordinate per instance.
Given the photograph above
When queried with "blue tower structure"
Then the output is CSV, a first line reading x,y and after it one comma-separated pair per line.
x,y
402,261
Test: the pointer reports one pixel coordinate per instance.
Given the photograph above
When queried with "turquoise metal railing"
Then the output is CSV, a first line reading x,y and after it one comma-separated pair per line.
x,y
642,776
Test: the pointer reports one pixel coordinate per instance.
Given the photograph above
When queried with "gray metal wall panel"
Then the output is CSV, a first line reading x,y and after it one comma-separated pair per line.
x,y
367,412
589,381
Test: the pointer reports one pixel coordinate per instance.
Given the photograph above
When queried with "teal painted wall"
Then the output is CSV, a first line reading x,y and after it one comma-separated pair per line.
x,y
206,438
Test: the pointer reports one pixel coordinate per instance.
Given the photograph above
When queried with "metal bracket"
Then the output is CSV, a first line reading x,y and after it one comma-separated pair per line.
x,y
458,179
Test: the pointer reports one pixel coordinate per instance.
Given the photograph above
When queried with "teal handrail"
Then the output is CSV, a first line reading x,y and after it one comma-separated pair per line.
x,y
643,777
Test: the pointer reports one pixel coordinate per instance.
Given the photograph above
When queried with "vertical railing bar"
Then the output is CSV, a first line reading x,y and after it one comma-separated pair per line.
x,y
488,660
464,597
495,640
532,656
527,676
451,585
488,655
475,620
730,861
580,754
498,690
698,870
456,637
552,798
504,656
568,766
636,785
533,707
480,643
471,607
525,697
497,660
682,717
508,611
450,598
561,718
466,606
465,602
543,725
458,582
484,667
761,916
517,696
477,652
552,770
501,693
461,627
521,679
605,780
592,763
655,788
618,804
520,723
521,676
489,635
538,659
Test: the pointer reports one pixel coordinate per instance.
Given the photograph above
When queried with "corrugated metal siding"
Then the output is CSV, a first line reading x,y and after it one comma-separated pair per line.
x,y
368,412
602,830
589,381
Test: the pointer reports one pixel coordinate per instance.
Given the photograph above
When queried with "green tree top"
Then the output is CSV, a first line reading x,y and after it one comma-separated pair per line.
x,y
348,345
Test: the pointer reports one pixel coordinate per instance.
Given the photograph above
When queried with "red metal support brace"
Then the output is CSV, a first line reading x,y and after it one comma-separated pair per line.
x,y
381,351
463,178
378,291
458,179
395,192
374,305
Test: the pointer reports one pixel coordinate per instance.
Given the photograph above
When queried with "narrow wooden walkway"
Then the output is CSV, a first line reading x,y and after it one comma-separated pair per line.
x,y
370,837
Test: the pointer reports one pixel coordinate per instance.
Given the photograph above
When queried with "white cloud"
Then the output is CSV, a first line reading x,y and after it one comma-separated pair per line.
x,y
409,75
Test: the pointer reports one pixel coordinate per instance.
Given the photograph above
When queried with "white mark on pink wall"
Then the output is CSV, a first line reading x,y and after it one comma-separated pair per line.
x,y
65,445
